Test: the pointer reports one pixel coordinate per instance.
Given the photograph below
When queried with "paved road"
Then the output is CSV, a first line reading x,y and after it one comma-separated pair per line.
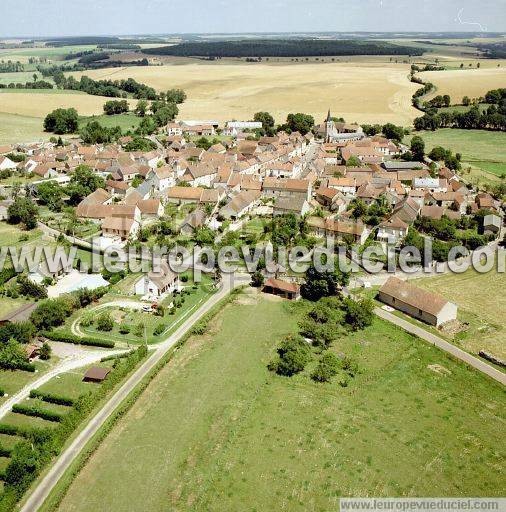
x,y
62,463
76,360
443,345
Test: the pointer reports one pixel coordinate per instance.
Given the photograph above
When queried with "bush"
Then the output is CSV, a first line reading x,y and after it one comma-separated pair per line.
x,y
327,368
293,355
45,352
105,322
2,392
124,329
31,410
76,340
159,329
51,398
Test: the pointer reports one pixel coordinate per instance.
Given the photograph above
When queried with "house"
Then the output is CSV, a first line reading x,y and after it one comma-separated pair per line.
x,y
233,128
20,314
240,204
401,165
96,374
392,231
277,188
433,212
174,129
297,205
426,306
330,198
184,195
119,227
59,267
193,221
492,225
281,288
162,178
338,229
7,164
118,188
157,284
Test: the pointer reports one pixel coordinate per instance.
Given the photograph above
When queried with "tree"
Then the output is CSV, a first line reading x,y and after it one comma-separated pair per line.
x,y
358,314
12,355
23,211
353,161
61,121
146,127
20,331
418,148
266,119
82,183
293,355
45,351
141,108
466,101
113,107
257,279
176,96
105,322
327,367
302,123
390,131
165,114
95,133
322,284
50,194
50,313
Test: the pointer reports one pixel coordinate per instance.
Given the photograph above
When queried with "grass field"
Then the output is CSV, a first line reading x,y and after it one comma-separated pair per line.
x,y
124,121
16,128
465,82
216,431
365,91
482,304
480,149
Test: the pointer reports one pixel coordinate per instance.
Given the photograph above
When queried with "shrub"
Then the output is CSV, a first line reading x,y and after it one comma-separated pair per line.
x,y
105,322
2,392
293,355
76,340
327,368
159,329
124,329
31,410
51,398
45,352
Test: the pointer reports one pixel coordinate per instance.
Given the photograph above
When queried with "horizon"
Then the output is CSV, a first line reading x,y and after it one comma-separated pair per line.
x,y
115,17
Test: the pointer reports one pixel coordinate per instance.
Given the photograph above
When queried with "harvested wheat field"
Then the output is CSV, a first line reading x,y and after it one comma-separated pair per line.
x,y
362,92
465,82
37,104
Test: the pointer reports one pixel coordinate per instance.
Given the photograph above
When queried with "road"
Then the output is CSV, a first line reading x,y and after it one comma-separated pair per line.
x,y
79,358
61,464
449,348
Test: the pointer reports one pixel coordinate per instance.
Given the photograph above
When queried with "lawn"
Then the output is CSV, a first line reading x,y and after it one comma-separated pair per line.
x,y
124,121
482,304
68,384
483,149
216,431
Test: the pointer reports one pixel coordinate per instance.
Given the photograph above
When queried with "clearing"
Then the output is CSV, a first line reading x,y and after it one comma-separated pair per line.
x,y
225,90
216,431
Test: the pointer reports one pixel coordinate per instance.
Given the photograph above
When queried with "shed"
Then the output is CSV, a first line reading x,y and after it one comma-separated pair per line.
x,y
284,289
96,374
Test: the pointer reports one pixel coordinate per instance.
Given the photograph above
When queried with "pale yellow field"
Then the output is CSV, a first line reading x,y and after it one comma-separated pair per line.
x,y
358,91
461,82
40,104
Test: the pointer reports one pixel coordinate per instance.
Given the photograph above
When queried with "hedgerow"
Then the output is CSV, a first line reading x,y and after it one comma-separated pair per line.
x,y
76,340
51,398
37,412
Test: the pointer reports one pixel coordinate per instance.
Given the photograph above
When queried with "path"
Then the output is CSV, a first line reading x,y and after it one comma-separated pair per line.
x,y
61,464
449,348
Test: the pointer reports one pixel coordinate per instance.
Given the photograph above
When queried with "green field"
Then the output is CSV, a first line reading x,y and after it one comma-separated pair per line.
x,y
481,149
15,128
216,431
482,304
124,121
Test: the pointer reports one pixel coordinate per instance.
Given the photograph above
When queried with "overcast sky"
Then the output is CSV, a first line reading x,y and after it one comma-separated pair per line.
x,y
94,17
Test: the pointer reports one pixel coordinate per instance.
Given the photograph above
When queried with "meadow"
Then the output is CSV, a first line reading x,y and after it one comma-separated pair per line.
x,y
362,91
216,431
480,149
482,304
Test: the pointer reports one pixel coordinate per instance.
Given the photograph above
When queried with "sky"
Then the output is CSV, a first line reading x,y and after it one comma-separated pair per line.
x,y
42,18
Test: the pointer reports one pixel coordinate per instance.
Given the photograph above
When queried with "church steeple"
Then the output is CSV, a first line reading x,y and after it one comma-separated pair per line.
x,y
329,117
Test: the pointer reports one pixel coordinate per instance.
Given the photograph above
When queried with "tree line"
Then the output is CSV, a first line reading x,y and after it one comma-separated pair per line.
x,y
283,48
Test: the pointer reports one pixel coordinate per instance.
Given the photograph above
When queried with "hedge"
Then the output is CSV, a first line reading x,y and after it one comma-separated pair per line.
x,y
113,357
76,340
6,275
25,367
37,412
52,399
30,457
5,452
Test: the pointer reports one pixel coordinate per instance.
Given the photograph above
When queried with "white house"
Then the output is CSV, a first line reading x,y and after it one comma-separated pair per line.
x,y
158,284
7,163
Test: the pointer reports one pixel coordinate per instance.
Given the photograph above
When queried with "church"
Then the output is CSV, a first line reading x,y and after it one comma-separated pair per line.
x,y
332,131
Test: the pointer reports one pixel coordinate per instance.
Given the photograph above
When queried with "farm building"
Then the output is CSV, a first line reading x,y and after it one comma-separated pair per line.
x,y
282,288
96,374
429,307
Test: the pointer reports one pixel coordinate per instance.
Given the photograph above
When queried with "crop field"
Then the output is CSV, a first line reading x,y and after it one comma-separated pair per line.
x,y
216,431
358,91
482,304
52,54
481,149
465,82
